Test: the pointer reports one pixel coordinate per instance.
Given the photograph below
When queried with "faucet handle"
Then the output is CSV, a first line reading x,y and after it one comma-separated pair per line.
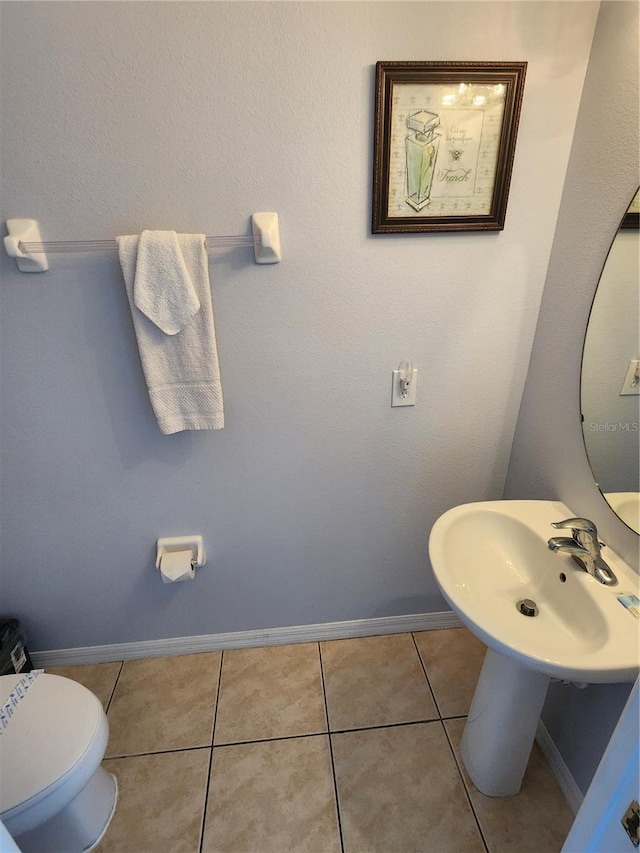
x,y
576,524
567,545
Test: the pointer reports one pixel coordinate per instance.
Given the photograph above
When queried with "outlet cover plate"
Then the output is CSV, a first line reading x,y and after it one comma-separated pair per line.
x,y
396,394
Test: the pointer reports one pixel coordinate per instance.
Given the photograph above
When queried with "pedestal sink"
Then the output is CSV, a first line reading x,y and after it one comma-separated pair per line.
x,y
488,558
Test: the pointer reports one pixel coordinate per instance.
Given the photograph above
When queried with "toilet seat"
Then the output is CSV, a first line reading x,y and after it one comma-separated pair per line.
x,y
66,730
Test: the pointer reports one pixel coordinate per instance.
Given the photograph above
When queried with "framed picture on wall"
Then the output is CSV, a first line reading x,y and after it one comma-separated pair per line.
x,y
444,143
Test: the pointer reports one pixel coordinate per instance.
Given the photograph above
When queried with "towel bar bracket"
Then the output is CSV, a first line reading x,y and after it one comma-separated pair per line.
x,y
23,242
25,231
267,234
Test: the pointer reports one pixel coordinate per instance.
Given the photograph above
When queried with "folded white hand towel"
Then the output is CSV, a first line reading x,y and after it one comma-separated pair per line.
x,y
181,368
162,288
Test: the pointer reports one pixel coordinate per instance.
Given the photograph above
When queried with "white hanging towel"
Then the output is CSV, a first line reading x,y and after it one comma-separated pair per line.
x,y
167,281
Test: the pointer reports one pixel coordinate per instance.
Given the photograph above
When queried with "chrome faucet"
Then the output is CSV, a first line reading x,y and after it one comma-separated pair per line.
x,y
584,547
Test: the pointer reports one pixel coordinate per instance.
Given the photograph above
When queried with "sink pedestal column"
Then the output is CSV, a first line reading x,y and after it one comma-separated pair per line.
x,y
502,723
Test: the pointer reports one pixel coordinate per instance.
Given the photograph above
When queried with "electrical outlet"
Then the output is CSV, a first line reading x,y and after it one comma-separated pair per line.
x,y
396,391
631,384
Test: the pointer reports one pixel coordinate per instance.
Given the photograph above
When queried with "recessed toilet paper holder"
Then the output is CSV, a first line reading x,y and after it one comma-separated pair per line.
x,y
195,544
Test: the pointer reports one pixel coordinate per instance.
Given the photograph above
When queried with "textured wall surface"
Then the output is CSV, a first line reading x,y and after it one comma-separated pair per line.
x,y
317,498
548,459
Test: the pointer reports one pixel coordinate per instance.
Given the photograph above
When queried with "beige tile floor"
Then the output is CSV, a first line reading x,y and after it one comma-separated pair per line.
x,y
348,746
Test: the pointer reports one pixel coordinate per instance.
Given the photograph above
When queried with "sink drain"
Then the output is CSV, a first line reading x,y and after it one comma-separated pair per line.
x,y
527,607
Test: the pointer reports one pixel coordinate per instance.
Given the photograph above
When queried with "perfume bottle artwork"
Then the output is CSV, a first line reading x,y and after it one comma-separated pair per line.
x,y
421,148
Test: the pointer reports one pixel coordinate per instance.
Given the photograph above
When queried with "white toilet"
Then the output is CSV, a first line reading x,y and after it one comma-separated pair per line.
x,y
54,795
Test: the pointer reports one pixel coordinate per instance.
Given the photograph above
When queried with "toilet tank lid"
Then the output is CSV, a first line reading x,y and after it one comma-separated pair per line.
x,y
52,727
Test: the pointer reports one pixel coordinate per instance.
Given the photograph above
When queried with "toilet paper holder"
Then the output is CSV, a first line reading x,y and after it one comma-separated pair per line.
x,y
195,544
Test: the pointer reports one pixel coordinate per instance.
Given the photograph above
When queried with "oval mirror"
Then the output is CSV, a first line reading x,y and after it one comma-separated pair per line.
x,y
610,385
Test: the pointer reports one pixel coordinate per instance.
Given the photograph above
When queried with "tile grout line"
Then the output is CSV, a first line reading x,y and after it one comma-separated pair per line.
x,y
333,766
213,731
285,737
386,726
113,689
464,787
426,675
268,740
157,752
446,734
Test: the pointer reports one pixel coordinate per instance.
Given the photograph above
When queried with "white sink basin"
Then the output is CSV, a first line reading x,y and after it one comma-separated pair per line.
x,y
489,556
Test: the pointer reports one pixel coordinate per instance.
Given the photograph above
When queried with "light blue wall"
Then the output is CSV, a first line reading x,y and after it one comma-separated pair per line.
x,y
548,458
317,498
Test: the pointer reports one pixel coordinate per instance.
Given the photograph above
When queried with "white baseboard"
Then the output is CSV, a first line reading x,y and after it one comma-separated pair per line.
x,y
561,773
246,639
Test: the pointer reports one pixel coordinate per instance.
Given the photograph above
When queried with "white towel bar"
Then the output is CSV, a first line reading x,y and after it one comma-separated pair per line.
x,y
23,243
